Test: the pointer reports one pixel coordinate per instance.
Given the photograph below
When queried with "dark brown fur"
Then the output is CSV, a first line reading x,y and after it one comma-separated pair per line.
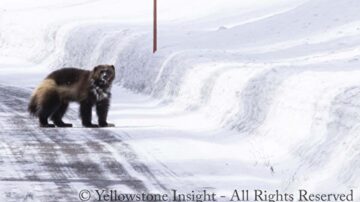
x,y
51,98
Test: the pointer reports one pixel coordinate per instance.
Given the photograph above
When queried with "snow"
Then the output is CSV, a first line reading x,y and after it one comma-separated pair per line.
x,y
250,94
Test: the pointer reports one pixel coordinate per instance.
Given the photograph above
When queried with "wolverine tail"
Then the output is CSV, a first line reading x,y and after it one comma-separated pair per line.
x,y
39,96
32,107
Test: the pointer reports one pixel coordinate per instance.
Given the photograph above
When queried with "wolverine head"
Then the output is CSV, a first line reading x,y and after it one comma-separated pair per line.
x,y
103,75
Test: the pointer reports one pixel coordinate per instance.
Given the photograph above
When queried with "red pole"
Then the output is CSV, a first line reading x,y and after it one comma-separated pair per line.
x,y
155,27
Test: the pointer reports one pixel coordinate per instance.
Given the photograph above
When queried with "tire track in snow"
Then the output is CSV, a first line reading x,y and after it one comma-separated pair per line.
x,y
54,164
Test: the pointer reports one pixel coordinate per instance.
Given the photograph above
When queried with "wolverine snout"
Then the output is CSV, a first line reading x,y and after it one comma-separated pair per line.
x,y
105,76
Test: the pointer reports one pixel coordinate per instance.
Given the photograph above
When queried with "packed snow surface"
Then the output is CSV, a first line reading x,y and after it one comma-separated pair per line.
x,y
240,95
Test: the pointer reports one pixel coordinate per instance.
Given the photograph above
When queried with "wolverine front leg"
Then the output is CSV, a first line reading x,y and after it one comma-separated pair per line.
x,y
102,108
85,113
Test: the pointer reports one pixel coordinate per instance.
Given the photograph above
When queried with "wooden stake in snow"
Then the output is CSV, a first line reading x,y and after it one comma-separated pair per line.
x,y
155,28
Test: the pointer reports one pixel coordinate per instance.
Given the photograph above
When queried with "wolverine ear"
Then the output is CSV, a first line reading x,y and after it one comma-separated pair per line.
x,y
96,68
113,67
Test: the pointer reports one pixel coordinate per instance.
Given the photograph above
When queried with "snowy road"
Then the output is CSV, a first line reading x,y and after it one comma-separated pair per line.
x,y
55,164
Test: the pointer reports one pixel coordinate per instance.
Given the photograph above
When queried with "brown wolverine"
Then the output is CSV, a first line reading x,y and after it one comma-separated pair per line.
x,y
51,98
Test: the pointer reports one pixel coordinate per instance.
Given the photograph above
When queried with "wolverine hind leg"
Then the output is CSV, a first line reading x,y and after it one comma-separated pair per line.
x,y
58,114
49,104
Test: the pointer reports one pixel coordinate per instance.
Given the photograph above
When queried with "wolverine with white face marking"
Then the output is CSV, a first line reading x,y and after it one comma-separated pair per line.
x,y
89,88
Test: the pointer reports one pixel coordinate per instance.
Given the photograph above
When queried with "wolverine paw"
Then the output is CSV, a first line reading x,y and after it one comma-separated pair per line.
x,y
65,125
62,124
110,125
47,125
107,125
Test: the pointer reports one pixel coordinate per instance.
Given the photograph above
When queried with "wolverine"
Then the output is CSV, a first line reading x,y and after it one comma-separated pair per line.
x,y
51,98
